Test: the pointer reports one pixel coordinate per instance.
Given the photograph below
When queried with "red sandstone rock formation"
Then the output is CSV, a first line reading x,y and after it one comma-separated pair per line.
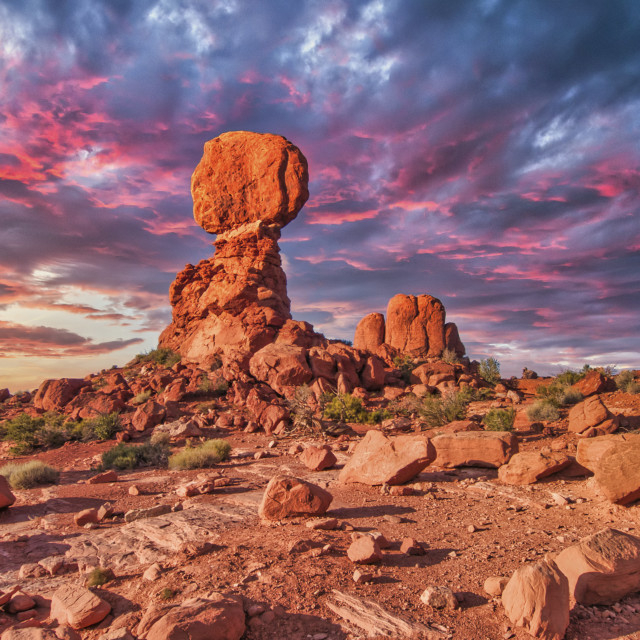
x,y
415,325
246,188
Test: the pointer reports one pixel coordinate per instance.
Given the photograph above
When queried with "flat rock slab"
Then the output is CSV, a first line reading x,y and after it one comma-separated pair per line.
x,y
527,467
489,449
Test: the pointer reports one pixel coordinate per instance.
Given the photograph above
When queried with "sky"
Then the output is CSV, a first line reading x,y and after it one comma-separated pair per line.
x,y
485,152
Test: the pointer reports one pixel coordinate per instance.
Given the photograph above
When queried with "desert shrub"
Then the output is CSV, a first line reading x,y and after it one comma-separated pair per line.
x,y
452,405
405,365
569,377
124,456
499,419
571,396
27,432
407,406
99,576
559,391
207,454
449,356
543,410
167,594
626,382
29,474
208,387
160,438
489,370
104,426
343,407
302,411
141,397
161,355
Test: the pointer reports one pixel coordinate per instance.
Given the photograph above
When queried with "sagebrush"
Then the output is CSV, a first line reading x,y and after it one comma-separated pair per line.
x,y
29,474
207,454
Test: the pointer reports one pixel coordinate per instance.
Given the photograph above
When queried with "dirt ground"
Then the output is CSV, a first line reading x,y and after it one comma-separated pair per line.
x,y
472,526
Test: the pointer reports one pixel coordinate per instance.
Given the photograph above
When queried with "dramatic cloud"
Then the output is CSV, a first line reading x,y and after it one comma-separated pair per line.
x,y
483,151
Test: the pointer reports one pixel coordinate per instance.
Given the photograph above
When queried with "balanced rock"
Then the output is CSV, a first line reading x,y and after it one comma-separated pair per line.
x,y
381,460
218,617
474,449
537,598
602,568
527,467
286,496
6,496
615,463
78,607
245,189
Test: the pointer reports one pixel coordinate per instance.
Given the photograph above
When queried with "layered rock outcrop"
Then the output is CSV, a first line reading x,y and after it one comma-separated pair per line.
x,y
246,187
415,325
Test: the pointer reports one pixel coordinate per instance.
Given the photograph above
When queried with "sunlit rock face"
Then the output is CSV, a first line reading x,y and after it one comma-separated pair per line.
x,y
246,187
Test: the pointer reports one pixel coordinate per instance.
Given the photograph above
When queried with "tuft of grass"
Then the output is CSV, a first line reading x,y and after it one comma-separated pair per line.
x,y
161,355
124,456
406,365
99,576
160,438
543,410
216,388
103,427
499,420
571,396
167,594
489,370
343,407
449,356
141,397
207,454
29,474
626,382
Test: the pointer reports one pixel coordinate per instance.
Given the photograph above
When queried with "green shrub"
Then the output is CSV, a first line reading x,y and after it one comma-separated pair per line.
x,y
124,456
626,382
343,407
499,419
167,594
407,406
571,396
569,377
160,438
141,397
449,356
99,576
207,454
440,410
543,411
405,365
161,355
489,370
27,432
29,474
208,387
104,426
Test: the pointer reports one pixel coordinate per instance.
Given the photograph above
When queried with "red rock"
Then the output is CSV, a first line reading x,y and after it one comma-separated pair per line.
x,y
615,463
594,382
268,410
415,325
322,364
91,405
287,496
317,458
589,413
381,460
602,568
474,449
23,632
439,597
218,617
494,585
452,339
373,374
412,547
537,598
54,395
6,496
86,516
364,550
280,366
104,477
4,395
148,415
78,607
528,467
370,332
21,602
432,373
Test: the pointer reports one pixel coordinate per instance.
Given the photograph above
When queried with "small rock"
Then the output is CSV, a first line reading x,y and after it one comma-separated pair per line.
x,y
364,550
153,572
101,478
323,524
151,512
412,547
439,598
21,602
494,585
134,490
86,516
360,577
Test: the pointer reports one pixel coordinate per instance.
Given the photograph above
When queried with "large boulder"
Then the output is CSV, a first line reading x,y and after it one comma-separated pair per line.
x,y
217,617
380,460
587,414
527,467
6,496
615,463
53,395
537,598
78,607
281,366
370,332
286,496
474,449
602,568
594,382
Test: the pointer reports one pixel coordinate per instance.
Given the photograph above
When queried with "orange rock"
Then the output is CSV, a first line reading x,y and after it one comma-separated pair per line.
x,y
287,496
317,458
53,395
602,568
452,339
364,550
6,496
474,449
380,460
594,382
373,374
537,598
280,366
370,332
589,413
528,467
78,607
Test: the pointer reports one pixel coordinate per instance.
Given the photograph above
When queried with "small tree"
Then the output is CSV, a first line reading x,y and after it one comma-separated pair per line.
x,y
489,370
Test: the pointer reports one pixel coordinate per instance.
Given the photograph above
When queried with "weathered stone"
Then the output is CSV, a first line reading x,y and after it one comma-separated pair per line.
x,y
494,585
148,415
287,496
373,374
439,597
86,516
150,512
527,467
474,449
54,395
6,496
280,366
537,598
589,413
602,568
104,477
381,460
317,458
364,550
78,607
370,332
